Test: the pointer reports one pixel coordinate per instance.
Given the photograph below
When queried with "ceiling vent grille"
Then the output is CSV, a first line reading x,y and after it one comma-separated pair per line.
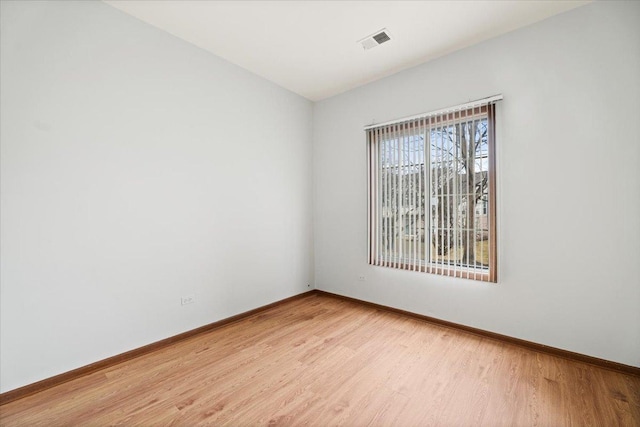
x,y
375,39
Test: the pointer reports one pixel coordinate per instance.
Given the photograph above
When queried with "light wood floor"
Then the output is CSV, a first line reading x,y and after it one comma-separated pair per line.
x,y
324,361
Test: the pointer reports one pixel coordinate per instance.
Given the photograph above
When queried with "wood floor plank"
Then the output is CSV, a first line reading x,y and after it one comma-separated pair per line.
x,y
321,361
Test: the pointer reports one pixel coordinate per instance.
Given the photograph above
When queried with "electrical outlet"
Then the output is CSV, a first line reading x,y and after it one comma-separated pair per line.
x,y
188,299
361,278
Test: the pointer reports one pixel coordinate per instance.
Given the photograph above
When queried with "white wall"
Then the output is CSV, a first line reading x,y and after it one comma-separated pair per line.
x,y
569,184
137,168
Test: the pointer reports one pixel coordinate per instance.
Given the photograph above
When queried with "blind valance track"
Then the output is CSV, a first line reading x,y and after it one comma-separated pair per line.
x,y
468,105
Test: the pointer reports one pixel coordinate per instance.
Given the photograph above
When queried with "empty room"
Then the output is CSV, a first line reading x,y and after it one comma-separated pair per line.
x,y
357,213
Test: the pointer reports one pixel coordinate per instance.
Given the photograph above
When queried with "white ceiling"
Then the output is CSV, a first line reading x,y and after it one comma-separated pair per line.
x,y
309,47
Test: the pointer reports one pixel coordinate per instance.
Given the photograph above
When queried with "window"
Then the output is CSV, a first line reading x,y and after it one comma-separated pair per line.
x,y
432,193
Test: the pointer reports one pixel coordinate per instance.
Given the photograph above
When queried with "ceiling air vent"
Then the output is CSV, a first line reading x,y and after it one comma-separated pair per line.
x,y
375,39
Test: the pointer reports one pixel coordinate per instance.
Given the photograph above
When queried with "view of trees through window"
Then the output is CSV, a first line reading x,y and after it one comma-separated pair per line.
x,y
433,193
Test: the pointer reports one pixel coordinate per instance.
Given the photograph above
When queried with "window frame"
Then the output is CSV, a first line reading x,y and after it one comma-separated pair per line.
x,y
425,124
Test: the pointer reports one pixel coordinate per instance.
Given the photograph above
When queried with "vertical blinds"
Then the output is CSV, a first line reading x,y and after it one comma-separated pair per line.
x,y
431,203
